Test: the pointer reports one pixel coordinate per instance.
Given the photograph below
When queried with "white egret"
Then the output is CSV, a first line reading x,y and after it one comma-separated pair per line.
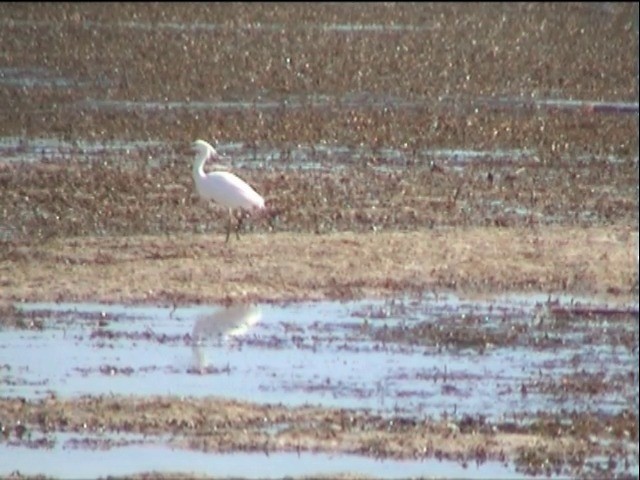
x,y
223,187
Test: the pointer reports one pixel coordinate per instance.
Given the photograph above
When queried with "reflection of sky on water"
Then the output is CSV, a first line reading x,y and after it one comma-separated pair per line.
x,y
319,353
312,353
64,460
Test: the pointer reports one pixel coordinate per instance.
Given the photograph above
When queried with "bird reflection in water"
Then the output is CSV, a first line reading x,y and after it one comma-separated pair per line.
x,y
219,327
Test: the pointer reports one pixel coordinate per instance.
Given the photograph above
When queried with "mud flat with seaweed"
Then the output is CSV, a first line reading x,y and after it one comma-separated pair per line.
x,y
446,283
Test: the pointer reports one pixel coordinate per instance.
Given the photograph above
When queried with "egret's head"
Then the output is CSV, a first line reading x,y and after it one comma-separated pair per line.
x,y
203,149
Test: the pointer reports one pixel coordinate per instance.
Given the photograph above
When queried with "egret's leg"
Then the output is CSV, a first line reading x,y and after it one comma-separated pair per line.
x,y
240,220
229,226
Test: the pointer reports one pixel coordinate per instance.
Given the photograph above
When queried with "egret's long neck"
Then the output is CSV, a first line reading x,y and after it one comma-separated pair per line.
x,y
198,164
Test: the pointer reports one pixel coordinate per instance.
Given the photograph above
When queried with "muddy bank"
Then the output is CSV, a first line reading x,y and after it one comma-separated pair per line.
x,y
285,267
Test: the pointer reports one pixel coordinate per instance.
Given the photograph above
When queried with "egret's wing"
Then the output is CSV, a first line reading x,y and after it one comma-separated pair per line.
x,y
231,191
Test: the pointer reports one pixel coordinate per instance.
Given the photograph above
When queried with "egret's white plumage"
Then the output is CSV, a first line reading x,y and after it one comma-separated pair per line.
x,y
222,187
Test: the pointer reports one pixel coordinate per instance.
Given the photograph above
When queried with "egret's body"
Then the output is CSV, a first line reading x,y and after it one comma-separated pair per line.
x,y
223,187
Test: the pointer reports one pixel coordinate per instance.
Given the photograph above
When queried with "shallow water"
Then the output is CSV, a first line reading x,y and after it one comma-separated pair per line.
x,y
363,101
361,355
368,28
305,157
347,355
300,157
65,460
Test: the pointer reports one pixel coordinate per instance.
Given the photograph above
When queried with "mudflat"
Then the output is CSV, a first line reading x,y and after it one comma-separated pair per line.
x,y
401,149
276,267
